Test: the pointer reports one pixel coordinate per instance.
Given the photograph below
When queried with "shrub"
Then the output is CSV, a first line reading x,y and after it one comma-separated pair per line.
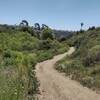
x,y
47,33
44,55
93,56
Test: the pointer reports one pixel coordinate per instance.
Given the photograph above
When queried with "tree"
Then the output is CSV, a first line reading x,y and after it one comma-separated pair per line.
x,y
82,25
25,22
92,28
40,29
47,33
24,25
37,26
37,30
44,27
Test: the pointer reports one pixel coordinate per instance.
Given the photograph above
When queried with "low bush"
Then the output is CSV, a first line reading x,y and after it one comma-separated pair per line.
x,y
84,64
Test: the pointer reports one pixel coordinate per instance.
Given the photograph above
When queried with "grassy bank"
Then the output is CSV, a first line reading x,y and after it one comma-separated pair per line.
x,y
19,53
84,64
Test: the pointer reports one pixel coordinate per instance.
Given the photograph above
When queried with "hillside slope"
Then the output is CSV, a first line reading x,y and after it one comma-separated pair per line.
x,y
84,64
19,52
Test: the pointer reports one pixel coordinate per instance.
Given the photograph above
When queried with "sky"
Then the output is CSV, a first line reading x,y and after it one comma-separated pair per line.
x,y
58,14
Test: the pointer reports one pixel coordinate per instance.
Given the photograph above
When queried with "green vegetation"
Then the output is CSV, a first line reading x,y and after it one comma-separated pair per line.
x,y
84,64
20,50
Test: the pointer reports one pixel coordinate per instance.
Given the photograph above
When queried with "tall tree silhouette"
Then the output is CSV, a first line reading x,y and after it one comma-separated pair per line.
x,y
37,30
24,23
44,27
37,26
82,25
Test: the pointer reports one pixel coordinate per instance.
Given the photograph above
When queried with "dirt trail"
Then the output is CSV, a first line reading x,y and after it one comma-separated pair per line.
x,y
55,86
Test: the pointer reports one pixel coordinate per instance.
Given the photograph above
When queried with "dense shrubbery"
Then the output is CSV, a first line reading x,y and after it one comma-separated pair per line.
x,y
92,57
47,33
19,52
18,76
84,64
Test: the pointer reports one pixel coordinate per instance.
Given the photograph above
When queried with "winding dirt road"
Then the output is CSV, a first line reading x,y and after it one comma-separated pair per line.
x,y
55,86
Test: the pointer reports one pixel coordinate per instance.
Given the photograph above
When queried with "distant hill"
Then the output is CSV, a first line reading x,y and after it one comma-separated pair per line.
x,y
61,34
